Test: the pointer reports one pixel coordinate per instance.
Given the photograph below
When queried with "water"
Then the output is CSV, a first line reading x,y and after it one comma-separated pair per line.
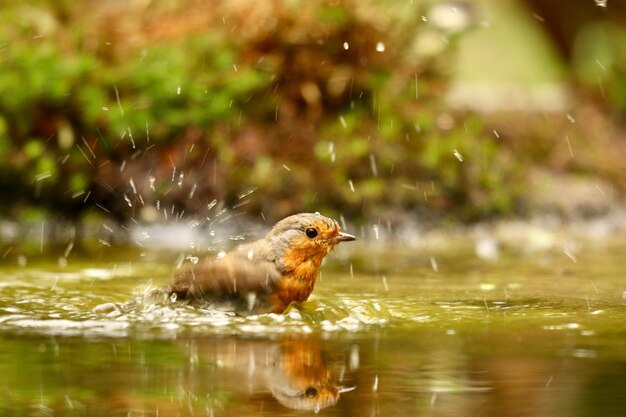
x,y
395,331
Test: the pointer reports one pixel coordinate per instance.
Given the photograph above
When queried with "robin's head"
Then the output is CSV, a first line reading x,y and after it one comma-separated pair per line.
x,y
306,237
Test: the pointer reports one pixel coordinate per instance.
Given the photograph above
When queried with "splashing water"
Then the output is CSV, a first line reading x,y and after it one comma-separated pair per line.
x,y
90,298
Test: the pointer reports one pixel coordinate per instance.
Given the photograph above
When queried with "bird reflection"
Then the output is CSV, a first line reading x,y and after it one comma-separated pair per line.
x,y
297,372
299,377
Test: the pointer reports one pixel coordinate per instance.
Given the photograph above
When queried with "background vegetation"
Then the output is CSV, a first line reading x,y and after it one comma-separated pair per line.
x,y
150,111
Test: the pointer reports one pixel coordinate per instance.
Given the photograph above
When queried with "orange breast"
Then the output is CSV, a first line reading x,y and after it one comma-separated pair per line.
x,y
301,261
295,286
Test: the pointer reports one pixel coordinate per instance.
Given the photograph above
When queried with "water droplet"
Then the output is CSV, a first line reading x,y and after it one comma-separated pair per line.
x,y
373,165
380,47
247,192
433,264
68,249
570,255
43,176
354,357
251,299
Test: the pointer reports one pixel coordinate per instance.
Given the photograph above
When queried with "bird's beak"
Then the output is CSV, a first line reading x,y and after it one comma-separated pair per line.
x,y
344,237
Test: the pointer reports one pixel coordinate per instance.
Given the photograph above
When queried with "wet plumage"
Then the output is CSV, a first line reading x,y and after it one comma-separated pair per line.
x,y
264,276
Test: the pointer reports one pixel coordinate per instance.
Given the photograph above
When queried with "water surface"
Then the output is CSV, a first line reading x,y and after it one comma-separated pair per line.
x,y
391,330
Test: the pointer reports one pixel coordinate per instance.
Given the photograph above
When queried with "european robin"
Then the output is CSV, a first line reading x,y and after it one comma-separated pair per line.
x,y
299,376
300,372
264,276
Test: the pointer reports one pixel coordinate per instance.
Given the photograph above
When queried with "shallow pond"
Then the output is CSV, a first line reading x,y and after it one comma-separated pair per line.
x,y
391,330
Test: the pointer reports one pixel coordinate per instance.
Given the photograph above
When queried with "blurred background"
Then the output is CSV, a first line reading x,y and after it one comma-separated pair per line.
x,y
386,111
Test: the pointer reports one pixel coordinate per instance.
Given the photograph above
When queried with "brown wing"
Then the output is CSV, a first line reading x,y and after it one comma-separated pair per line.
x,y
232,275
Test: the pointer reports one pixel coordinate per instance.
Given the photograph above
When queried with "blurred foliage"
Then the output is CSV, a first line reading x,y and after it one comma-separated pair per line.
x,y
590,37
152,110
599,59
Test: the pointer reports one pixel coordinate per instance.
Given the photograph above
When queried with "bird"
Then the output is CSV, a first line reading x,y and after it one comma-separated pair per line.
x,y
264,276
300,375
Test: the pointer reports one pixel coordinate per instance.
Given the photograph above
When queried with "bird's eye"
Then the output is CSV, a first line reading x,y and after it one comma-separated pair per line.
x,y
310,392
311,232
